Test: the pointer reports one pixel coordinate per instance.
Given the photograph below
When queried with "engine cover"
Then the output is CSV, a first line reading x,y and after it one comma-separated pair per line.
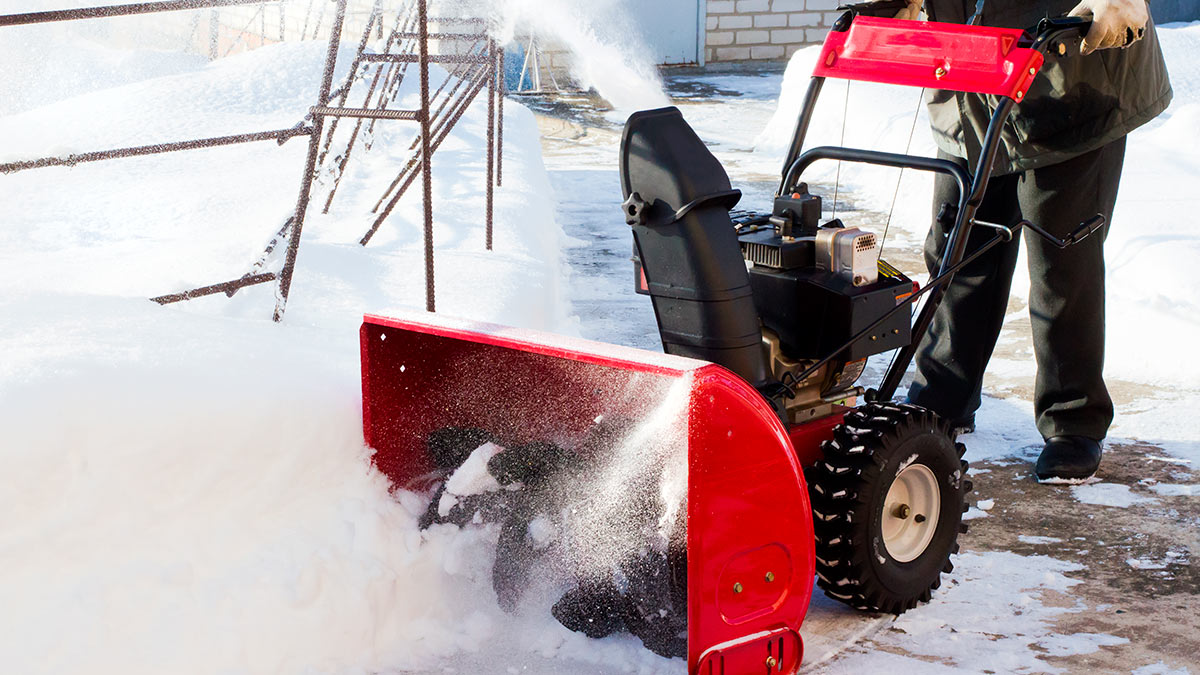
x,y
816,311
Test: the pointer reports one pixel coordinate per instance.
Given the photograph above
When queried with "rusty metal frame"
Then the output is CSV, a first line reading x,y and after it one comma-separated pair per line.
x,y
310,166
434,126
408,175
109,11
280,136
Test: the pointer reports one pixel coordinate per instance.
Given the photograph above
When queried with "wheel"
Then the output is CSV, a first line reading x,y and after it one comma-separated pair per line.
x,y
887,498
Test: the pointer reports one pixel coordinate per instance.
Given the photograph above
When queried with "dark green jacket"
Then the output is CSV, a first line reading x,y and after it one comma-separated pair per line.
x,y
1077,104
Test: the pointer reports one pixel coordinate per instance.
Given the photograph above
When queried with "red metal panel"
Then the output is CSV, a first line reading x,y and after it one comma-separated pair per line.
x,y
750,541
979,59
420,376
777,651
807,438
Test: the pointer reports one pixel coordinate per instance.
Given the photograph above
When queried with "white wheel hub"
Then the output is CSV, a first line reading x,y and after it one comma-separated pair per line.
x,y
910,513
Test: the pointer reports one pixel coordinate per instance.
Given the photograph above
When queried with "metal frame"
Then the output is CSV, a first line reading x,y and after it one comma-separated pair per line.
x,y
940,41
109,11
413,34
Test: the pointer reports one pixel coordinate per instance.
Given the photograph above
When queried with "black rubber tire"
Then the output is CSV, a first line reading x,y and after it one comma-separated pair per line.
x,y
848,487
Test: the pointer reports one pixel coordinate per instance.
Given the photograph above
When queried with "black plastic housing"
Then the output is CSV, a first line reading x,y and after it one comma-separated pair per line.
x,y
799,213
693,265
814,312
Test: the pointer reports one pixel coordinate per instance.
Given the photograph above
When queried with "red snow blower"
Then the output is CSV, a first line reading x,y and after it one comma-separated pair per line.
x,y
733,469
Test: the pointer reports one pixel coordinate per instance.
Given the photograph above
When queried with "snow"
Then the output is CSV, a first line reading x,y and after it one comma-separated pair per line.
x,y
1108,494
188,489
603,46
1037,539
974,512
989,612
1159,668
1174,490
472,478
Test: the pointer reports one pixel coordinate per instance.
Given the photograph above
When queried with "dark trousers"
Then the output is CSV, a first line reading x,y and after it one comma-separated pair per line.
x,y
1066,297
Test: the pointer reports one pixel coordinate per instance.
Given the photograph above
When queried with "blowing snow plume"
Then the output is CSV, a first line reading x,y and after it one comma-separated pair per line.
x,y
606,53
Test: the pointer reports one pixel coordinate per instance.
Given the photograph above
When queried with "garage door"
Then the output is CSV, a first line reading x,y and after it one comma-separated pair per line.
x,y
669,28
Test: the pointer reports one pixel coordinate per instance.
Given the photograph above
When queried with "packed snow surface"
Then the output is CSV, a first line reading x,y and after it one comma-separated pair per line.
x,y
990,615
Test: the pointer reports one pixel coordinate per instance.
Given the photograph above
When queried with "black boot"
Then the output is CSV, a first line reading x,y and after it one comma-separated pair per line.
x,y
1068,459
965,425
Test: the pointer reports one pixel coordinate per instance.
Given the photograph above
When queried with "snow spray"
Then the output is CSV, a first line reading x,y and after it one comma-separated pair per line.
x,y
599,35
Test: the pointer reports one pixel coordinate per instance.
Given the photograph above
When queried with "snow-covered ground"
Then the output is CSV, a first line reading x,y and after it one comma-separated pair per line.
x,y
187,486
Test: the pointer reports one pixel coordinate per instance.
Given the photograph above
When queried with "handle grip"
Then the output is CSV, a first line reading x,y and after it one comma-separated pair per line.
x,y
1061,30
1086,229
880,8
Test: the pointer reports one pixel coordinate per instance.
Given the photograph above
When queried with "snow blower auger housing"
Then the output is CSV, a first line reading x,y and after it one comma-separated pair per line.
x,y
695,494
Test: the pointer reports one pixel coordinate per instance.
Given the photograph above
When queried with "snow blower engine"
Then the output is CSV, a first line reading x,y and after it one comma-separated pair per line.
x,y
690,498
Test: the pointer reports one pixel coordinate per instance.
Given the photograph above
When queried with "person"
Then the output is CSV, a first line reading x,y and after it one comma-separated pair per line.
x,y
1059,164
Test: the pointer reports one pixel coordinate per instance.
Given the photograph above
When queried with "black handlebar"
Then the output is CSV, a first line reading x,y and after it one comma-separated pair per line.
x,y
1060,29
1085,229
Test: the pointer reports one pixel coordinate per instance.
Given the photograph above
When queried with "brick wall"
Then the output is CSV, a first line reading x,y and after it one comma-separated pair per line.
x,y
765,30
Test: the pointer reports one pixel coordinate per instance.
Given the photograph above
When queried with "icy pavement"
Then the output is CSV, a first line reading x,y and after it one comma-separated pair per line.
x,y
581,146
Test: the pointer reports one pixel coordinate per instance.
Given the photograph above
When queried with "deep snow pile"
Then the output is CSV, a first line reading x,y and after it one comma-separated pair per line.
x,y
187,488
1152,290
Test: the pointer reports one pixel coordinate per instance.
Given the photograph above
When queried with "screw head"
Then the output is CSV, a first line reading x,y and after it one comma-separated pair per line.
x,y
902,511
770,577
737,588
1020,95
771,662
1062,49
940,72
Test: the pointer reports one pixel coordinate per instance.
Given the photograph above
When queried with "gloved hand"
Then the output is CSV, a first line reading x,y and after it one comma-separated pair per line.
x,y
912,11
1115,23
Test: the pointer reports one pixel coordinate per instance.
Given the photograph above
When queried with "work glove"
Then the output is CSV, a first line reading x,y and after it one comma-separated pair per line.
x,y
1115,23
911,11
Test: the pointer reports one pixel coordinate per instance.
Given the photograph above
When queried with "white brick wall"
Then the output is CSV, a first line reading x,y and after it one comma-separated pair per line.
x,y
765,30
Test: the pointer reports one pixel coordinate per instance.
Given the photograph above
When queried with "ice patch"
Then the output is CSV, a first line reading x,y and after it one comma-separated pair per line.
x,y
1174,490
1109,494
1037,539
986,504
